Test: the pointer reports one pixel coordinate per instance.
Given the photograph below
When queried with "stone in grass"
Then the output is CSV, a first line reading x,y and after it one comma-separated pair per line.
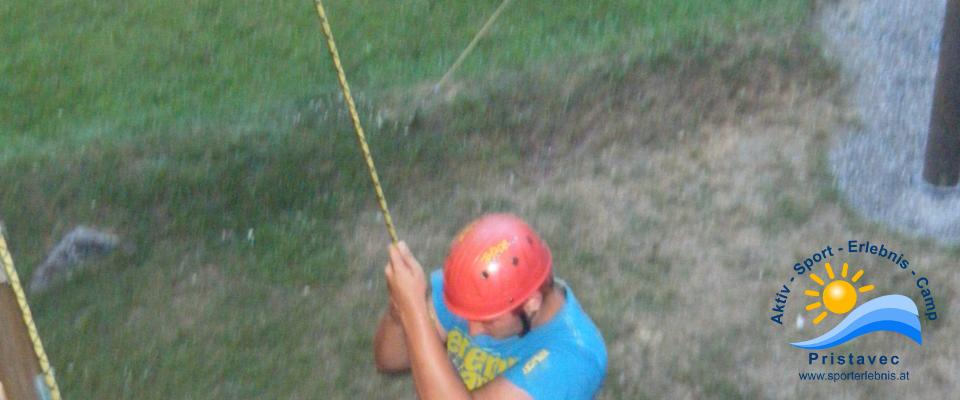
x,y
82,244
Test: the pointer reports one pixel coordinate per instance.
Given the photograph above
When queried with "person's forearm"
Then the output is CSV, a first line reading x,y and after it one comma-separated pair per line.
x,y
390,346
433,374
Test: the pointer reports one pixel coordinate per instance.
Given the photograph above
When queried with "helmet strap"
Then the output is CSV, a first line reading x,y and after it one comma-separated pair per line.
x,y
524,319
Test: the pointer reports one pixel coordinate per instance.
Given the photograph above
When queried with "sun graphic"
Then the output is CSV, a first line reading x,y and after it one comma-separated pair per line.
x,y
839,296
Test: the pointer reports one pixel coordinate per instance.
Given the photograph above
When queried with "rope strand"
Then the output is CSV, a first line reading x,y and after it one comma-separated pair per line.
x,y
345,88
473,43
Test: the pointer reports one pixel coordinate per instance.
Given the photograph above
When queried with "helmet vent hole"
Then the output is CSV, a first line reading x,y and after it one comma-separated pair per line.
x,y
516,261
485,274
529,240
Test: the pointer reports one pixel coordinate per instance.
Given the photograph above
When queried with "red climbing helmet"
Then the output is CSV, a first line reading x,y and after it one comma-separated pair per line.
x,y
494,265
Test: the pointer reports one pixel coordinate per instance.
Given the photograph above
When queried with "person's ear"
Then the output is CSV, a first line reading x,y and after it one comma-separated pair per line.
x,y
532,305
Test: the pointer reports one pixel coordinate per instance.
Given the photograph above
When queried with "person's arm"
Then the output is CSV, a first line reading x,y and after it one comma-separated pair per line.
x,y
389,344
434,376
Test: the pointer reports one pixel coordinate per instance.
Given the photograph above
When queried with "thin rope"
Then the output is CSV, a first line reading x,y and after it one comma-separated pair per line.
x,y
473,43
11,272
345,88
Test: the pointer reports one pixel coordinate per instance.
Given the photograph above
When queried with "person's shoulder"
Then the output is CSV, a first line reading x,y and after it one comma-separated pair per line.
x,y
558,370
577,333
446,319
436,284
574,316
436,277
580,349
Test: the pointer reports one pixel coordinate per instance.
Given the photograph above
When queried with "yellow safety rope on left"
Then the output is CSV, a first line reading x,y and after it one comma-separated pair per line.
x,y
11,272
342,77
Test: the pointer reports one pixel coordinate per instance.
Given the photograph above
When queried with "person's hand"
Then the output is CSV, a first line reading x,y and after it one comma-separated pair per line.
x,y
406,281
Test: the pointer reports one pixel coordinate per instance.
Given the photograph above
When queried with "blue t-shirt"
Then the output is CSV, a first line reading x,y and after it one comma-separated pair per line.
x,y
562,359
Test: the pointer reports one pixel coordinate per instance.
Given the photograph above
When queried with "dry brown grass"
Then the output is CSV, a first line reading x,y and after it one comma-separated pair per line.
x,y
676,200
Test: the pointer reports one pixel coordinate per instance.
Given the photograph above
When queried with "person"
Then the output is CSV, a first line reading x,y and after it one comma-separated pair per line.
x,y
492,324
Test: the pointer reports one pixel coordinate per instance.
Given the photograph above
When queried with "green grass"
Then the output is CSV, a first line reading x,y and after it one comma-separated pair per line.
x,y
93,68
185,126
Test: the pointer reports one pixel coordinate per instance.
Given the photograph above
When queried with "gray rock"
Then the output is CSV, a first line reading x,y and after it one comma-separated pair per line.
x,y
81,245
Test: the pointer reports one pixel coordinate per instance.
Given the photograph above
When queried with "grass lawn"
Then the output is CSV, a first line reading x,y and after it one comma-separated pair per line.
x,y
211,137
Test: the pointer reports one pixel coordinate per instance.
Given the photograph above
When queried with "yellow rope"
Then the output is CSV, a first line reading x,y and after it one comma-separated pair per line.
x,y
473,43
28,318
332,46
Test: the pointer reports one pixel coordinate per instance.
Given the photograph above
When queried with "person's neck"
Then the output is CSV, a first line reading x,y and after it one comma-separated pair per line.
x,y
552,303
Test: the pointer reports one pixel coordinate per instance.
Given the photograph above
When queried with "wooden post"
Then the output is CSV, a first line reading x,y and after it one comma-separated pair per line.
x,y
942,162
18,363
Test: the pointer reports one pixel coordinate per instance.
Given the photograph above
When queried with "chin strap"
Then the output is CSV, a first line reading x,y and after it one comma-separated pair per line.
x,y
524,319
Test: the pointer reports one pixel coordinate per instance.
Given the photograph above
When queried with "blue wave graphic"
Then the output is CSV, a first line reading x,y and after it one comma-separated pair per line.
x,y
893,313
